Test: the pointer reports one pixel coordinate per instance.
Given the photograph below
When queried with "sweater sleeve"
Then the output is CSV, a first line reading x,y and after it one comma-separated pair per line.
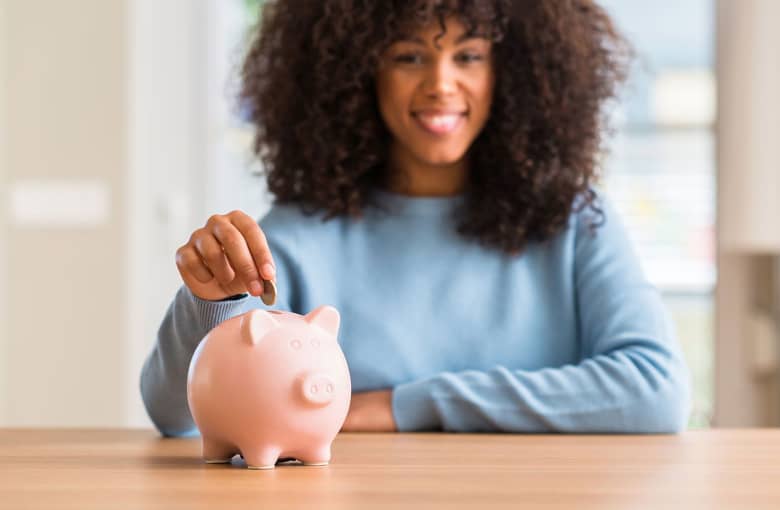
x,y
188,319
631,378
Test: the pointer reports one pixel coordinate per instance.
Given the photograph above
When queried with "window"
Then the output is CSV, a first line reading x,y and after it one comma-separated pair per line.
x,y
661,170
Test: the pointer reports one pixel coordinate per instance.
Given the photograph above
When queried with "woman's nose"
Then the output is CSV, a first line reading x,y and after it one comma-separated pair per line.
x,y
440,79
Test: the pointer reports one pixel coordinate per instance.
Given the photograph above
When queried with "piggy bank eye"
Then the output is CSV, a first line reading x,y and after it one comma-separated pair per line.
x,y
315,343
296,344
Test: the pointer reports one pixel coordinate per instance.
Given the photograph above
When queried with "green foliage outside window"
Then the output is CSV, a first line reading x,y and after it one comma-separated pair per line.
x,y
252,10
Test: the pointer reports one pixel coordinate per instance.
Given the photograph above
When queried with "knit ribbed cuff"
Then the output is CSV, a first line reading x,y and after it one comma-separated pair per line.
x,y
212,313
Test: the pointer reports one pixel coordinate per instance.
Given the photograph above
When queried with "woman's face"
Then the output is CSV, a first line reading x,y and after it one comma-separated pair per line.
x,y
435,96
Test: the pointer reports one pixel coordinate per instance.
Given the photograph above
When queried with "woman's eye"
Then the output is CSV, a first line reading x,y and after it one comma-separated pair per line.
x,y
469,57
408,58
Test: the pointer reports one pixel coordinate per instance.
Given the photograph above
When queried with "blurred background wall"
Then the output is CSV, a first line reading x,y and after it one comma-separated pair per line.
x,y
748,151
64,160
119,137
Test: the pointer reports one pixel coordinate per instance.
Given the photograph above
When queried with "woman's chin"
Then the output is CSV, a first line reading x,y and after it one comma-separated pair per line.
x,y
443,160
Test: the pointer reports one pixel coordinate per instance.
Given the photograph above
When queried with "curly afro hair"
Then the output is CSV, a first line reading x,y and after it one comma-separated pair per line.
x,y
308,84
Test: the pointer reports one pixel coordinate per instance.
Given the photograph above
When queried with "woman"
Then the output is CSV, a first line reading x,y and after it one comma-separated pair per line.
x,y
433,165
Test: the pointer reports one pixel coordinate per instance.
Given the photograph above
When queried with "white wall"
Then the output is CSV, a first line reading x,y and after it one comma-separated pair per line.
x,y
129,97
3,228
229,182
62,95
747,345
185,160
167,161
749,92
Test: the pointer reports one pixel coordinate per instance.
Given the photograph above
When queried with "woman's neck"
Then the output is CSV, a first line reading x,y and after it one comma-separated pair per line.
x,y
410,176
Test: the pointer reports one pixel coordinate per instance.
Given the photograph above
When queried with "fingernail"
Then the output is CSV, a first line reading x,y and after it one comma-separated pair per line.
x,y
255,288
269,270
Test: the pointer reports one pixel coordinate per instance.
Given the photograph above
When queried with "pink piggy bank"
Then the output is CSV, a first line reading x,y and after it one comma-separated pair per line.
x,y
270,384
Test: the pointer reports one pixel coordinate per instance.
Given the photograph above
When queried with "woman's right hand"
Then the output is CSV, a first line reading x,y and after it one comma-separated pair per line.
x,y
228,256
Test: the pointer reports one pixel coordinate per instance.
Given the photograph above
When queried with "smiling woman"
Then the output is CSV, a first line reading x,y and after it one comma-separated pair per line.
x,y
328,84
432,164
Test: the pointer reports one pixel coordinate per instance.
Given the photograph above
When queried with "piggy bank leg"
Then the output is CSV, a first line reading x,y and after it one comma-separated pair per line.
x,y
261,458
217,452
316,457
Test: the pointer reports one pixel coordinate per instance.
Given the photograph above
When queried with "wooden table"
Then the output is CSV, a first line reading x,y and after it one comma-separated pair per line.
x,y
83,469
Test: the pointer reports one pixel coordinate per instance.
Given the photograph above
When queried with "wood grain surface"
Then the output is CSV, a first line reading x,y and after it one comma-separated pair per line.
x,y
99,468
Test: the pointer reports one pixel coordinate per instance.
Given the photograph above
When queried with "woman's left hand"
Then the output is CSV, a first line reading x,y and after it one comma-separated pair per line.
x,y
370,411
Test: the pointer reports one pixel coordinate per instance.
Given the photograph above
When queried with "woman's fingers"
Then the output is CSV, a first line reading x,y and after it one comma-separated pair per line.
x,y
257,244
228,231
226,257
190,261
210,249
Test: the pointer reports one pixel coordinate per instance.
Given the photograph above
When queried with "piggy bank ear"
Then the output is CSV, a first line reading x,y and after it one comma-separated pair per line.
x,y
256,324
325,317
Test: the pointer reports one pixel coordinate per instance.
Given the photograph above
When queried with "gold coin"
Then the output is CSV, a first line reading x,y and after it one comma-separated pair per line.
x,y
269,292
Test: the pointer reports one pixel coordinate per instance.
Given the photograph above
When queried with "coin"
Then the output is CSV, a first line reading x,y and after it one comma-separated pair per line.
x,y
269,292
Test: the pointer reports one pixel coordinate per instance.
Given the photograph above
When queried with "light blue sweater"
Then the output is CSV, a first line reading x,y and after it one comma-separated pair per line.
x,y
567,337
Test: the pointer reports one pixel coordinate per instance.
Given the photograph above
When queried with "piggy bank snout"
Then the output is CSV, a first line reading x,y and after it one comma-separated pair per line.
x,y
317,389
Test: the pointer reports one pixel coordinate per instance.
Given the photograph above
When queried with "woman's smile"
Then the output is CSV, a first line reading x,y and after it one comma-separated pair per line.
x,y
435,89
439,122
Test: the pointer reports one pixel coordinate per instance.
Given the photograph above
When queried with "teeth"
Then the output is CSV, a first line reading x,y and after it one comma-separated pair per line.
x,y
440,121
